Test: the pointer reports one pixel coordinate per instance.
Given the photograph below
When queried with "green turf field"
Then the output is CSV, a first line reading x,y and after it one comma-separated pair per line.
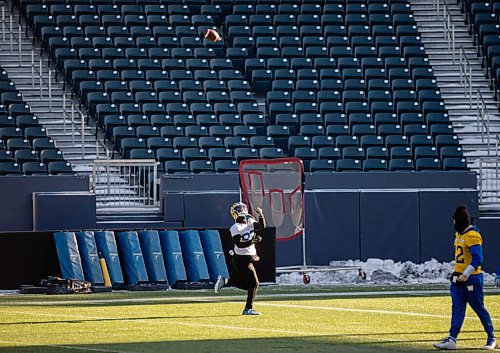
x,y
295,319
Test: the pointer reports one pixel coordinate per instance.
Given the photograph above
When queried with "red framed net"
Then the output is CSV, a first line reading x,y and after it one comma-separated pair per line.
x,y
276,186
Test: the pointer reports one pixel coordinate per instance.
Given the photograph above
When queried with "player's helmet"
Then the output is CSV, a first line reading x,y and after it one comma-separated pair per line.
x,y
238,209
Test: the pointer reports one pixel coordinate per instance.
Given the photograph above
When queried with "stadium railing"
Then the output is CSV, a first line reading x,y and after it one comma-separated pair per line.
x,y
129,184
483,120
489,180
466,75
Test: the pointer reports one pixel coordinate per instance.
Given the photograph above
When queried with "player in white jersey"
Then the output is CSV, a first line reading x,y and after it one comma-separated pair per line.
x,y
243,233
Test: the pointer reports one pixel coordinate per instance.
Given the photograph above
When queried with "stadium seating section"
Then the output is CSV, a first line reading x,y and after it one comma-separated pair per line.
x,y
343,84
483,18
25,147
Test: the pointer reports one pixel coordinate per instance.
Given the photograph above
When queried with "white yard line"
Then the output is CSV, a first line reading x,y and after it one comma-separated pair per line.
x,y
372,311
237,296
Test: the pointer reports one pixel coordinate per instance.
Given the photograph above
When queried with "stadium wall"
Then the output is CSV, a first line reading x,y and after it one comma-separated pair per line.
x,y
399,216
46,203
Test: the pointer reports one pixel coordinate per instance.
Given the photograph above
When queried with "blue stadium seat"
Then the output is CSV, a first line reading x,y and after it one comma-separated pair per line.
x,y
428,164
374,165
454,164
226,166
401,165
201,166
322,165
348,165
59,168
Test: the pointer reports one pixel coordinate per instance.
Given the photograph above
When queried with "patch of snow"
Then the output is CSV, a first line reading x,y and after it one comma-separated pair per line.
x,y
9,292
380,271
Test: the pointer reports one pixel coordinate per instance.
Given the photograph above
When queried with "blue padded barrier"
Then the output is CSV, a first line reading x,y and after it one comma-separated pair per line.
x,y
89,257
172,255
106,245
194,260
131,254
214,255
68,254
153,257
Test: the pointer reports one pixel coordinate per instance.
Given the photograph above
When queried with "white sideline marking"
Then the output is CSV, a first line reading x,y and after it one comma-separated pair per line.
x,y
237,296
373,311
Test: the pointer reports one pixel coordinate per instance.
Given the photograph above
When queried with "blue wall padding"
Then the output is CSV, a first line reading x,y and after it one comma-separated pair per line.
x,y
89,257
106,245
214,255
68,254
132,259
172,256
153,257
194,260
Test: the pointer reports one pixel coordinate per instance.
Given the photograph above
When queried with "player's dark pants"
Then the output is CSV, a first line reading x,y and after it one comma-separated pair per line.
x,y
470,292
246,277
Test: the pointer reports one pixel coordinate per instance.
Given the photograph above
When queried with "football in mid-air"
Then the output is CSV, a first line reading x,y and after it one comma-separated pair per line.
x,y
212,35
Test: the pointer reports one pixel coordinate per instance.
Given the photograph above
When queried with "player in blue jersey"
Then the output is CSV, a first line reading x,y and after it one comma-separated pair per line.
x,y
244,236
467,281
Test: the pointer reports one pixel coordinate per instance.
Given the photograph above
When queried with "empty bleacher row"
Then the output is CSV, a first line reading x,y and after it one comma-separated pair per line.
x,y
483,18
346,84
25,147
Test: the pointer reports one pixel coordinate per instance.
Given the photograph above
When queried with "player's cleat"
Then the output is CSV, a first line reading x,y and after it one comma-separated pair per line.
x,y
491,344
447,343
250,312
218,284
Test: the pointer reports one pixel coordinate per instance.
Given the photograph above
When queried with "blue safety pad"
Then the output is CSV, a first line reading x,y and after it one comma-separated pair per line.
x,y
106,245
68,254
172,255
153,257
89,257
194,259
214,255
132,259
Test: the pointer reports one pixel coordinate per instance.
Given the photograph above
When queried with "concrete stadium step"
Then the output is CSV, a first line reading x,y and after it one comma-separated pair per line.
x,y
462,115
50,115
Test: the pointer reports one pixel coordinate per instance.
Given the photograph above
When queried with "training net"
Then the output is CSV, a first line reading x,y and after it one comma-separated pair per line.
x,y
276,186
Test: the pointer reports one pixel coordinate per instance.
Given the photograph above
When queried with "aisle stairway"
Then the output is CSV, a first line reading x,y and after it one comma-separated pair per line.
x,y
463,116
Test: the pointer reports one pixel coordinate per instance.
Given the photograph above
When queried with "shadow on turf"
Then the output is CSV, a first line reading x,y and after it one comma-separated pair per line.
x,y
305,344
78,321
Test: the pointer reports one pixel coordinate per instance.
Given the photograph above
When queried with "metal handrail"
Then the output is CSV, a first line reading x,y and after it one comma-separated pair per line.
x,y
10,30
466,74
74,125
497,144
74,109
119,175
489,180
449,30
483,119
436,5
98,143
